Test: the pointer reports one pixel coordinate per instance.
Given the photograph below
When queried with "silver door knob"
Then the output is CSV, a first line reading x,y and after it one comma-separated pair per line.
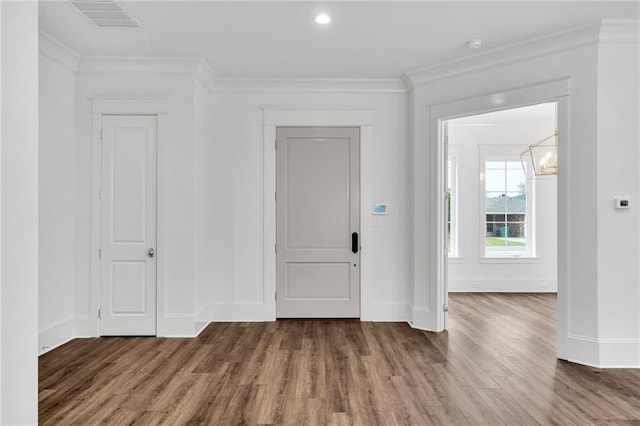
x,y
151,253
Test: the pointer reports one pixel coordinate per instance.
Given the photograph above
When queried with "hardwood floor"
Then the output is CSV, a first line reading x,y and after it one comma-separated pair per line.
x,y
495,365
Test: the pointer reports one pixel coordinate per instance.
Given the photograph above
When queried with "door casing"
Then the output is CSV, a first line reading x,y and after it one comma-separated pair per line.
x,y
88,323
337,117
554,91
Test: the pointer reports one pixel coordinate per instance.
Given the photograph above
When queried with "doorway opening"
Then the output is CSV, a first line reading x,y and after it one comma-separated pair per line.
x,y
501,218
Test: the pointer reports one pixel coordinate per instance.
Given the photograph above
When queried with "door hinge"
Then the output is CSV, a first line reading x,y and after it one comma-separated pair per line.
x,y
445,308
275,296
275,247
275,196
100,194
99,253
275,144
101,133
99,313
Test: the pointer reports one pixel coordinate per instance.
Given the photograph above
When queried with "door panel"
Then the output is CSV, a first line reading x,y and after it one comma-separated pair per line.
x,y
128,230
328,281
128,289
317,171
317,210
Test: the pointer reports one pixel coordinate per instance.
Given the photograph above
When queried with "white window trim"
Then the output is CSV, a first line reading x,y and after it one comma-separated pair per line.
x,y
455,251
505,153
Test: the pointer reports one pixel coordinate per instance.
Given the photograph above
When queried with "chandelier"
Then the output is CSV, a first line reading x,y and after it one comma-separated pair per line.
x,y
541,157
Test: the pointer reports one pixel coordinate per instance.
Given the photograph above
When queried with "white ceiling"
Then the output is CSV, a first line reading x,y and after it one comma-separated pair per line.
x,y
280,40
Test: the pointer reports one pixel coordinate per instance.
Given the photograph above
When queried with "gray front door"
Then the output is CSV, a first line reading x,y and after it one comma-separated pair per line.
x,y
318,222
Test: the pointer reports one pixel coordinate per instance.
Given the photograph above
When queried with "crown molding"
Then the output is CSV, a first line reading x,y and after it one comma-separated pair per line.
x,y
204,73
58,52
512,53
603,31
620,31
310,85
92,65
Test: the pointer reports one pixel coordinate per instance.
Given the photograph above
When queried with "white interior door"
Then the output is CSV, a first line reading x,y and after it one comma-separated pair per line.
x,y
318,222
128,226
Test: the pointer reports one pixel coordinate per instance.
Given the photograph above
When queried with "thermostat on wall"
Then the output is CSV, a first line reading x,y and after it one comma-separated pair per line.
x,y
379,208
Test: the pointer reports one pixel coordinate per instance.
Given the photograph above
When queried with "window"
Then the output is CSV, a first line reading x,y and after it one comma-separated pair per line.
x,y
452,208
506,207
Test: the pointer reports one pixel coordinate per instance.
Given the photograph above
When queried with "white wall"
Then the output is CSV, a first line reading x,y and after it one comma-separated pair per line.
x,y
618,172
57,202
19,213
212,234
598,78
239,120
213,260
471,271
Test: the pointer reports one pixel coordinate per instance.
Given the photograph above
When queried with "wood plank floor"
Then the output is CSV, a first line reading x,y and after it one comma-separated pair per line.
x,y
495,365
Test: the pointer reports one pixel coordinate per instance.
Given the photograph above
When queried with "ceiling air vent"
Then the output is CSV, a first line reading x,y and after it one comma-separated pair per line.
x,y
106,13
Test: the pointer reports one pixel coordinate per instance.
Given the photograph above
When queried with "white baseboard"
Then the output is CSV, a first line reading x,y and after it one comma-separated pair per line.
x,y
87,326
619,353
238,312
386,312
203,318
56,334
422,319
604,353
503,285
177,325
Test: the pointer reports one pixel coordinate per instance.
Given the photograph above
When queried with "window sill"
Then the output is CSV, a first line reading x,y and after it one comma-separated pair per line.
x,y
510,259
456,259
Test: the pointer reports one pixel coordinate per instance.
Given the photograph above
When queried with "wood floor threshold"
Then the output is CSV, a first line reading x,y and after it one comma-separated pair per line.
x,y
495,365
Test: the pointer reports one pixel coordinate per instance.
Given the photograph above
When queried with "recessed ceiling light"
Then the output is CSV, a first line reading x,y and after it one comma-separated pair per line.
x,y
474,44
323,18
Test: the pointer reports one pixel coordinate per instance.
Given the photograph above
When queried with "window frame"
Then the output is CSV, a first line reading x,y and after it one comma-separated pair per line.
x,y
506,153
454,250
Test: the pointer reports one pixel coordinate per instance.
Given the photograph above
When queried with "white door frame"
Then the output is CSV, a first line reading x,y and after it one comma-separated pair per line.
x,y
125,106
274,118
553,91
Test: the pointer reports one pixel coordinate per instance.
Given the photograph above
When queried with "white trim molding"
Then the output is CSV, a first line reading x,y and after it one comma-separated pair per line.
x,y
606,30
238,312
200,70
166,325
511,53
389,312
503,285
429,204
604,353
106,105
56,334
620,31
310,85
420,317
58,52
175,325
